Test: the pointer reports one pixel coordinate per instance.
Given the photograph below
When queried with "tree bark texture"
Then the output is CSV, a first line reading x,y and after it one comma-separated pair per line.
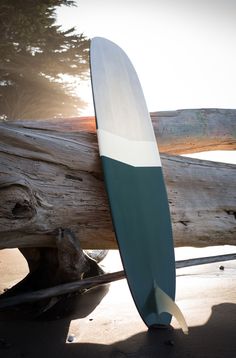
x,y
50,177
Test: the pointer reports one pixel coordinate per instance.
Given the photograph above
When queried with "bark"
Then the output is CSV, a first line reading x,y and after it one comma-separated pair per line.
x,y
51,177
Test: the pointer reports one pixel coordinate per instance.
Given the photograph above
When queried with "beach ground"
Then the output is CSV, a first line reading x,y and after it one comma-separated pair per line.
x,y
104,321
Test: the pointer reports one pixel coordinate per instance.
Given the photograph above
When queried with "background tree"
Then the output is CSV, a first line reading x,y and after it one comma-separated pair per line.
x,y
37,60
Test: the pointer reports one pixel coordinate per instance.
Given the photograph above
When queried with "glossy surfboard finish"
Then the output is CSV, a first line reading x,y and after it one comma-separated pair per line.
x,y
134,180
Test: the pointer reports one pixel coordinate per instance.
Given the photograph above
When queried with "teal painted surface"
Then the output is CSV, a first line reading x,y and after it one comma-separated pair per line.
x,y
141,220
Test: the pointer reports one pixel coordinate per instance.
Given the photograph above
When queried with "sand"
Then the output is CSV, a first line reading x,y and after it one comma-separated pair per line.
x,y
104,322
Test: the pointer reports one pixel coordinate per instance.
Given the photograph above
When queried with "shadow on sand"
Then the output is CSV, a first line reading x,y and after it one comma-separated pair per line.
x,y
47,336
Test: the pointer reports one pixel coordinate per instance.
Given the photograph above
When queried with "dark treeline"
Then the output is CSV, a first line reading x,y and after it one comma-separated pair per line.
x,y
38,60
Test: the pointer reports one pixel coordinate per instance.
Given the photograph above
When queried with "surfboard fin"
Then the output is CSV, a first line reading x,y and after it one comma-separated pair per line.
x,y
165,304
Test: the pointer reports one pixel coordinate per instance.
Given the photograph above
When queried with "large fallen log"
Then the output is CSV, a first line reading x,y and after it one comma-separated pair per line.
x,y
189,131
51,177
177,132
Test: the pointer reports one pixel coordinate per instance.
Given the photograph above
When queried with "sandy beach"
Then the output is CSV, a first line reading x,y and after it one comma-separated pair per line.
x,y
104,321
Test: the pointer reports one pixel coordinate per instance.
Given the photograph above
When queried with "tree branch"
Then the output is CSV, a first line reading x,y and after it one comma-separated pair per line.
x,y
91,282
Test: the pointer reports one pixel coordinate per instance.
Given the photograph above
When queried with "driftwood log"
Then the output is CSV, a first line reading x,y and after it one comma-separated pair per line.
x,y
50,177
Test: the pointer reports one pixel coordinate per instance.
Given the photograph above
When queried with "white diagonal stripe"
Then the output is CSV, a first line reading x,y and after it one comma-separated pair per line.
x,y
132,152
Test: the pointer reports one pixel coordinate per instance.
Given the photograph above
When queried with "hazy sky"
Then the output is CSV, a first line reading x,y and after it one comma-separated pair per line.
x,y
183,50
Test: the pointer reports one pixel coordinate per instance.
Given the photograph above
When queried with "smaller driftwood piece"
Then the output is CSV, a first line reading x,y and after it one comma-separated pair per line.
x,y
88,283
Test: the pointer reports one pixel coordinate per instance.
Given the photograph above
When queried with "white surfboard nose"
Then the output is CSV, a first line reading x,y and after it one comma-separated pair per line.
x,y
115,77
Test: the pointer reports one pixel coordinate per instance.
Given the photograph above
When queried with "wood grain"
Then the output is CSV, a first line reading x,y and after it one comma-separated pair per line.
x,y
50,177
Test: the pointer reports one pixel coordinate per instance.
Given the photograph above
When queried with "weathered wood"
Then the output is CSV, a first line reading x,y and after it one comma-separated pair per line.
x,y
52,266
88,283
204,260
177,132
195,130
51,177
71,287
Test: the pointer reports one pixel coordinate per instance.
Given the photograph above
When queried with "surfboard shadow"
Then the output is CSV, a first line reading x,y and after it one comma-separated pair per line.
x,y
49,337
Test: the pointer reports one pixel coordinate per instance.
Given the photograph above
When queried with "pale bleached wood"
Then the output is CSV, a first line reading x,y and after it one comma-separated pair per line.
x,y
177,132
51,177
66,288
195,130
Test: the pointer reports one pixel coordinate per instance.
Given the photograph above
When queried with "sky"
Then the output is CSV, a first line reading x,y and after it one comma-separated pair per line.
x,y
183,50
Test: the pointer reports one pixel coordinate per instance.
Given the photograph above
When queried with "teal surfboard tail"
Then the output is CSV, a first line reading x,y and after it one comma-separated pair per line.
x,y
137,195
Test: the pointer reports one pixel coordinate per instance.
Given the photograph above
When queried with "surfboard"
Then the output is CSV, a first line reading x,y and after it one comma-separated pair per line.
x,y
134,182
